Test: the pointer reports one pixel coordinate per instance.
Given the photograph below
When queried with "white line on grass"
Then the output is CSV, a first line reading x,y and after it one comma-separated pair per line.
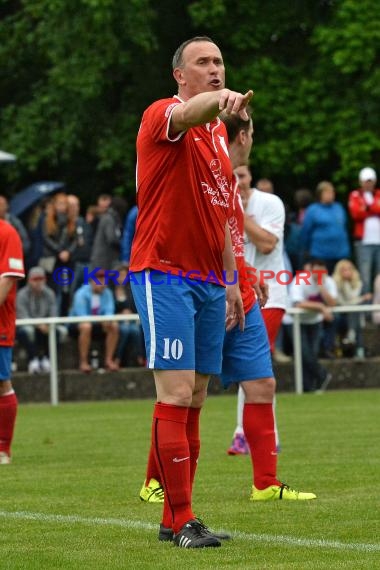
x,y
141,525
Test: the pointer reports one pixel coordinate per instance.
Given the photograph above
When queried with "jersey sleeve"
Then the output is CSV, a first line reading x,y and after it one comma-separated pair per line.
x,y
273,219
157,119
11,255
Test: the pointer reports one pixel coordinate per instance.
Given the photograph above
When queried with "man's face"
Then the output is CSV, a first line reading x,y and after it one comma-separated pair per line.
x,y
265,186
103,204
202,70
98,288
73,205
247,143
319,273
36,284
368,185
245,178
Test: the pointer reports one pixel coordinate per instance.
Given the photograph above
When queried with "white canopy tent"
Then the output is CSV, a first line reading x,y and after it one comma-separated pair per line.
x,y
7,157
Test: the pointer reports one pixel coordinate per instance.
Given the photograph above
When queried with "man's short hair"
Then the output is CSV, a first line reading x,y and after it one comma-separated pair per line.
x,y
177,57
234,124
315,261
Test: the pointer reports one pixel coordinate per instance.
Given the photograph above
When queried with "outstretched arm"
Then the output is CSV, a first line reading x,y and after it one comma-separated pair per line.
x,y
204,107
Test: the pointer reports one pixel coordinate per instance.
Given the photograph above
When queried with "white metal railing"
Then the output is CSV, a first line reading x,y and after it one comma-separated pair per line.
x,y
297,347
294,312
52,322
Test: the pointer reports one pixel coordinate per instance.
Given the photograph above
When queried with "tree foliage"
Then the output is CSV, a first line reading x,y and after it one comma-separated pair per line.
x,y
314,68
70,88
77,74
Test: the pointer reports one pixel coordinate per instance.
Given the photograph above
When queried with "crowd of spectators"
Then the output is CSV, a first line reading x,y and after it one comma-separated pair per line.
x,y
346,239
57,237
60,245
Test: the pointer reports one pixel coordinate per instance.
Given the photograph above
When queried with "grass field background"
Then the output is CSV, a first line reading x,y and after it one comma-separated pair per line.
x,y
70,498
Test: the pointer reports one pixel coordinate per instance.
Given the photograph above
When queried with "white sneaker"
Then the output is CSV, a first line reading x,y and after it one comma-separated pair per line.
x,y
45,364
4,458
280,357
34,366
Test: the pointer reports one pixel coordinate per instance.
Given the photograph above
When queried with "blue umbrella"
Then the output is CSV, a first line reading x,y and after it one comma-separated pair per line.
x,y
31,195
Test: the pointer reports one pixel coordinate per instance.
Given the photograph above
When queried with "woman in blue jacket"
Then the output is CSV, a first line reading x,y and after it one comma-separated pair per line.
x,y
324,232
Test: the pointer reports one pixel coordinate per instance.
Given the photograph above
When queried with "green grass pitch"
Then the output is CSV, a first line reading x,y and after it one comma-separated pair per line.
x,y
70,498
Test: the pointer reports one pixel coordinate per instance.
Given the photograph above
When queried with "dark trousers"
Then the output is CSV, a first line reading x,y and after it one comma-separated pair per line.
x,y
312,371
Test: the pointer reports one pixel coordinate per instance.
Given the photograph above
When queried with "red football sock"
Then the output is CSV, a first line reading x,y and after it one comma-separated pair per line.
x,y
258,424
152,471
192,432
8,412
172,453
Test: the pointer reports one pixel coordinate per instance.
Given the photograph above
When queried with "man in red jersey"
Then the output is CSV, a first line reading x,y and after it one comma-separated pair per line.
x,y
246,355
181,245
11,269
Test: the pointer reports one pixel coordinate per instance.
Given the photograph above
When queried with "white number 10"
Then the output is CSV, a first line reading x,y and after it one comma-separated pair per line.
x,y
173,349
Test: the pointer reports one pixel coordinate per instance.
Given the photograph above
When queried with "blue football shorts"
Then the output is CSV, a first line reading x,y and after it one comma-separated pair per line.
x,y
5,362
183,321
246,354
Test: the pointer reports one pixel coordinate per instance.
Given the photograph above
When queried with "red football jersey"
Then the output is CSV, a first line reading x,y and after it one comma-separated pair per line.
x,y
11,265
236,225
183,193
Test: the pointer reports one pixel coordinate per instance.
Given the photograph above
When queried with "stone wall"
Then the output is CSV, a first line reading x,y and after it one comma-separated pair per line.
x,y
138,382
134,383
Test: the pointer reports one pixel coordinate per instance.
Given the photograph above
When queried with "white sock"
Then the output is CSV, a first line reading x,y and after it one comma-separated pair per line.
x,y
240,408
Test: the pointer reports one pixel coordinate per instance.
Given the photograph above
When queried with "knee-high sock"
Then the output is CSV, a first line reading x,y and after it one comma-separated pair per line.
x,y
8,413
172,453
192,432
152,471
258,423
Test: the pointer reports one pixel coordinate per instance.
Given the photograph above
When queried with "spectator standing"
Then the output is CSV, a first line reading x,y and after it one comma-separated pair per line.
x,y
103,203
95,298
11,269
316,293
16,223
59,237
128,234
37,301
107,241
324,232
264,221
83,234
364,209
34,225
303,197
